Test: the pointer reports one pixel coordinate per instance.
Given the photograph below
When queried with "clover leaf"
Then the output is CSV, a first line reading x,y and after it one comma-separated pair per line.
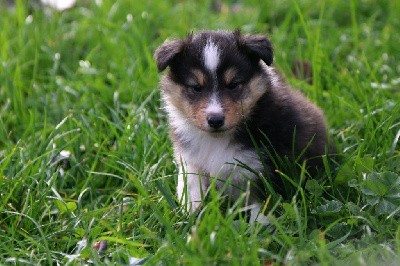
x,y
382,190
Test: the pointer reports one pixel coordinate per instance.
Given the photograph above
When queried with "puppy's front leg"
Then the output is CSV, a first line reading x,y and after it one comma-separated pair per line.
x,y
191,188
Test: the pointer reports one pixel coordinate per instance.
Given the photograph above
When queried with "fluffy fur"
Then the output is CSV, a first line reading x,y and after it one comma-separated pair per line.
x,y
223,99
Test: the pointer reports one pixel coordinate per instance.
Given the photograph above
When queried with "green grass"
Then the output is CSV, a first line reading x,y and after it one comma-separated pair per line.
x,y
84,81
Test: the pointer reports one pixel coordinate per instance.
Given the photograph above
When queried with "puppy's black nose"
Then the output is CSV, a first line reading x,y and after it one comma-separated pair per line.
x,y
216,120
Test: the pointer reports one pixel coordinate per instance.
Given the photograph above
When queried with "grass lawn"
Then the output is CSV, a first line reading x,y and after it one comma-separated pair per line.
x,y
85,155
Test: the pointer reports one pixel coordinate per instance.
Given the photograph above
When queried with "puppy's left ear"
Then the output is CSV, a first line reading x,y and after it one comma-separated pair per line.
x,y
257,46
167,52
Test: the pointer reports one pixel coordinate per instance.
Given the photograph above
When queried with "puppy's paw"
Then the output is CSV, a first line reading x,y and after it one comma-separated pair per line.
x,y
257,216
193,207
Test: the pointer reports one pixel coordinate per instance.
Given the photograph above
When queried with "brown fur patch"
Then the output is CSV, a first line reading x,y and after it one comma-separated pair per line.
x,y
233,112
229,75
200,77
197,113
172,94
236,111
254,90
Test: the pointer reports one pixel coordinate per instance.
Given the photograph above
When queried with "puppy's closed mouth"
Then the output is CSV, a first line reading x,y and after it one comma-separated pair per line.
x,y
216,131
220,132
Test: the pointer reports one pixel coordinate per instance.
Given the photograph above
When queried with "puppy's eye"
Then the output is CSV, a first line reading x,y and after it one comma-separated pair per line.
x,y
195,88
234,85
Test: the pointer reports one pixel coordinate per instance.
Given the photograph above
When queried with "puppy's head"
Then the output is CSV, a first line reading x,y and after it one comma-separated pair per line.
x,y
214,78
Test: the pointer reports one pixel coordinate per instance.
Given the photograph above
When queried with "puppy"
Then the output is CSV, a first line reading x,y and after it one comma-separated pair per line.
x,y
229,111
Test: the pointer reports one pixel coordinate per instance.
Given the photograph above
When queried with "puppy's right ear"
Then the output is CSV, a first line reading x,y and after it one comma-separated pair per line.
x,y
257,46
167,52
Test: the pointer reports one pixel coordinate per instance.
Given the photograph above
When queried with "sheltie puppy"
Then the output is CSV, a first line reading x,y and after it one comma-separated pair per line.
x,y
229,111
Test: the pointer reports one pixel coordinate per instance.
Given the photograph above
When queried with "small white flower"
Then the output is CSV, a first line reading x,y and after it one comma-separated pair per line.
x,y
59,4
65,154
212,237
28,19
129,17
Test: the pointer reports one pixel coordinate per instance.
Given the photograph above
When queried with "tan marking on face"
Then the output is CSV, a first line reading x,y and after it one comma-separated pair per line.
x,y
173,94
198,114
254,90
200,77
236,111
233,113
195,112
229,75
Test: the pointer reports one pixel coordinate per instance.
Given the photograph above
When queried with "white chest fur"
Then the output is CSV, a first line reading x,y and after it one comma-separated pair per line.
x,y
213,155
218,156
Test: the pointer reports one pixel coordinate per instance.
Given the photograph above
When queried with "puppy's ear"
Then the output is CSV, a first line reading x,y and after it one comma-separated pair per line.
x,y
167,52
257,46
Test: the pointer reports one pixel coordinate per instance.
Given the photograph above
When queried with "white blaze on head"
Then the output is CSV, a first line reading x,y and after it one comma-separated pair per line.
x,y
211,56
214,106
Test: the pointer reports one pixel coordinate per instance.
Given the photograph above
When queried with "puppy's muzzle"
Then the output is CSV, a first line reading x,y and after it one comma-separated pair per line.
x,y
216,121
